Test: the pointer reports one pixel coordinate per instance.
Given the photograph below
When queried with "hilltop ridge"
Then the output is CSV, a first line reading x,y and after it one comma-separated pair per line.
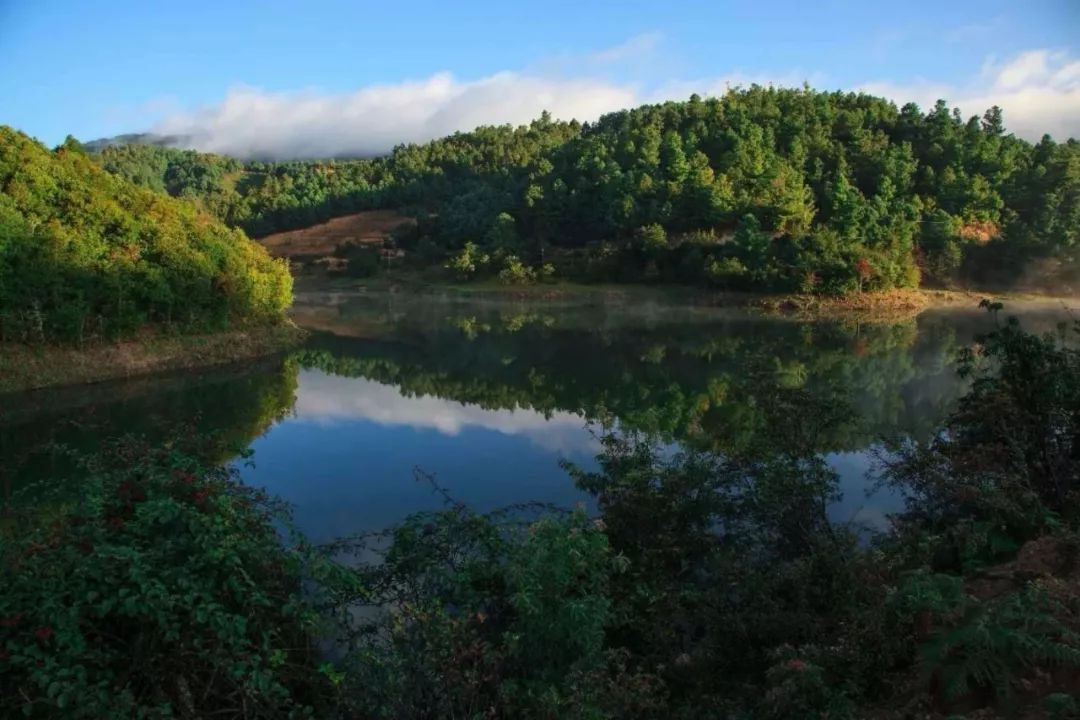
x,y
763,189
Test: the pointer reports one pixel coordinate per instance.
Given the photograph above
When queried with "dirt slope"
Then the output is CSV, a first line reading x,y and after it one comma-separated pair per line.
x,y
321,240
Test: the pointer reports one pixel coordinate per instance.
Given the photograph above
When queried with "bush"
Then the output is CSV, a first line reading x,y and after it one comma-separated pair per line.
x,y
164,590
726,272
515,272
798,688
1005,469
652,239
363,260
988,644
480,614
470,261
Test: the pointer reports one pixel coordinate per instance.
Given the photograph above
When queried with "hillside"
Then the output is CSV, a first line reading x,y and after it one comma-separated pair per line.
x,y
372,228
85,254
762,189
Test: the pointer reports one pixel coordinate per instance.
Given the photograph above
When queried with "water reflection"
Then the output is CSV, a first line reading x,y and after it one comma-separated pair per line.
x,y
327,399
229,407
491,396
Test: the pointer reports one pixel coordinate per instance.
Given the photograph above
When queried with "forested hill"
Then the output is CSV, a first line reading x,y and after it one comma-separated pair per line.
x,y
763,188
85,254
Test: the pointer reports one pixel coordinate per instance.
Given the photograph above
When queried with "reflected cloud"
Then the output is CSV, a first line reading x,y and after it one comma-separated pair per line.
x,y
323,398
861,503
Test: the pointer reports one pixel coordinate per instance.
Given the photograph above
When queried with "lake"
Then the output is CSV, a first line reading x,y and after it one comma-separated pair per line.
x,y
490,397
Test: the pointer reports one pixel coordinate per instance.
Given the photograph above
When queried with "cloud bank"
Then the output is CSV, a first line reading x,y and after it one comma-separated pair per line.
x,y
1039,91
370,121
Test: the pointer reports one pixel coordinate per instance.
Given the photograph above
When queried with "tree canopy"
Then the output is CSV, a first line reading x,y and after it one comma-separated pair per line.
x,y
763,188
86,254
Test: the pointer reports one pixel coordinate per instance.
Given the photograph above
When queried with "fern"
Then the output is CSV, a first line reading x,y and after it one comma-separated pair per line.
x,y
923,591
995,640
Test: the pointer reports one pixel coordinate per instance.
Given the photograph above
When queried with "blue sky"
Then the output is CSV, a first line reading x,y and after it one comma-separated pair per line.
x,y
242,77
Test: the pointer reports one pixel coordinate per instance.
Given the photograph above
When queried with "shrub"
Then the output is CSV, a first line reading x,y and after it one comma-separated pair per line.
x,y
165,589
726,271
1004,470
799,688
991,642
363,260
515,272
474,614
467,263
652,239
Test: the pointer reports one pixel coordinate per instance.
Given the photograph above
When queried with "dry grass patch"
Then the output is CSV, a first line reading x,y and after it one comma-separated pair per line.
x,y
366,228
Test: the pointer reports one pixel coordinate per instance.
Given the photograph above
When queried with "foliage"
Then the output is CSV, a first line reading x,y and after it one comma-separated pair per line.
x,y
468,262
1023,410
991,642
797,688
822,191
472,263
84,254
1001,472
361,260
477,615
515,272
1005,468
164,590
702,582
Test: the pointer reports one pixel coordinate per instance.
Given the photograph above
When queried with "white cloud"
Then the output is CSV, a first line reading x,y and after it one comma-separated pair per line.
x,y
253,123
1038,89
717,86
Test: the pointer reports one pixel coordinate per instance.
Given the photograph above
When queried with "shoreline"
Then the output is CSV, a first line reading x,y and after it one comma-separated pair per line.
x,y
25,368
886,304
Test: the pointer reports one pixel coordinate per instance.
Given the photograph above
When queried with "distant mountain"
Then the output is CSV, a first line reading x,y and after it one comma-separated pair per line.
x,y
138,139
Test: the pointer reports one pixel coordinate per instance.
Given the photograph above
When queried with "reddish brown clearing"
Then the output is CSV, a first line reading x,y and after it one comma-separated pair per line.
x,y
370,227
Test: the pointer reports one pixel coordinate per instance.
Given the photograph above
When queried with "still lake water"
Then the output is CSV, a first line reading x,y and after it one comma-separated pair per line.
x,y
490,397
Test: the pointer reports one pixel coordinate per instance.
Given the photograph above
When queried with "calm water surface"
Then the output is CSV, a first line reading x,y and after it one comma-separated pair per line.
x,y
490,397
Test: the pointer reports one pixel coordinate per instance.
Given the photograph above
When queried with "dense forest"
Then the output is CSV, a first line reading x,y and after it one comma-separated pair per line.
x,y
85,254
763,188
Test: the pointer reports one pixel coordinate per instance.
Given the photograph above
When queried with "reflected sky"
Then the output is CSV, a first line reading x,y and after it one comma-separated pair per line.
x,y
327,399
861,503
346,458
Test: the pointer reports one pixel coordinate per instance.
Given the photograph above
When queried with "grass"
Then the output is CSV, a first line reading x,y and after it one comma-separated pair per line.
x,y
30,367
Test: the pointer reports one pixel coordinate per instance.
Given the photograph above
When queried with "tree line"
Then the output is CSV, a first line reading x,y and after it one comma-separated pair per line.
x,y
763,189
